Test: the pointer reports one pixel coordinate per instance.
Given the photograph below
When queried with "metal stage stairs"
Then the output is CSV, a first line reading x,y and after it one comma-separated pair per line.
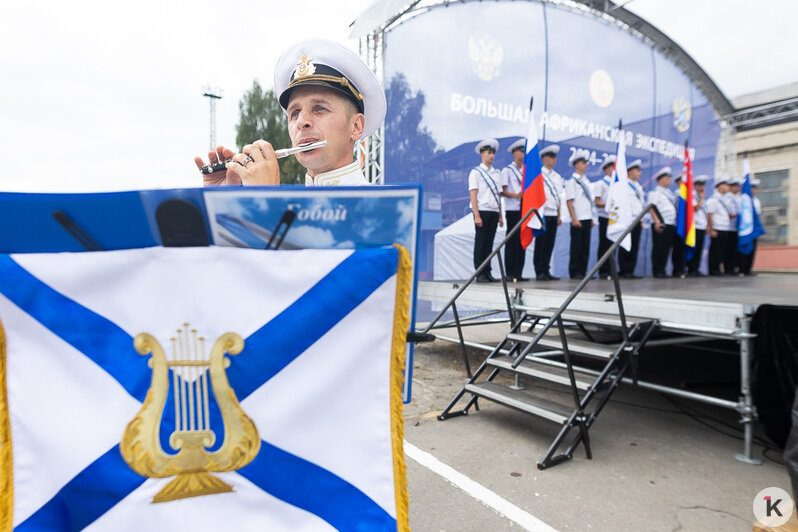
x,y
562,351
574,356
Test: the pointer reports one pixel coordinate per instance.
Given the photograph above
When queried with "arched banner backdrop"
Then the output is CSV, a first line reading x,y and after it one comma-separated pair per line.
x,y
461,72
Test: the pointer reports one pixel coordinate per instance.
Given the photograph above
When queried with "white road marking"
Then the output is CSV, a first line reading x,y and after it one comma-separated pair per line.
x,y
477,490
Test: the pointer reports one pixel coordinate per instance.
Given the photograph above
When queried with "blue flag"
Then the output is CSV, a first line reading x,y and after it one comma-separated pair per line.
x,y
748,224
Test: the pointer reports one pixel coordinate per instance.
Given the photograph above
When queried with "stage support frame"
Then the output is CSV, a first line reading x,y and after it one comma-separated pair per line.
x,y
746,406
369,151
716,315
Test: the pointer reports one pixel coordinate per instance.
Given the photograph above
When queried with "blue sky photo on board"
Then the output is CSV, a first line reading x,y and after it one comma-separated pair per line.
x,y
314,218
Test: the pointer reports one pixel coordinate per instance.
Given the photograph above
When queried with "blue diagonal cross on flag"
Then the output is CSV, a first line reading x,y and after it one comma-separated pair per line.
x,y
315,376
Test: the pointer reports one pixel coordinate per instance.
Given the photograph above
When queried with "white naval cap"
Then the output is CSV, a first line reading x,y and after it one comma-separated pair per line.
x,y
550,150
609,159
637,163
328,64
703,178
662,173
485,144
579,154
519,144
737,181
723,180
755,182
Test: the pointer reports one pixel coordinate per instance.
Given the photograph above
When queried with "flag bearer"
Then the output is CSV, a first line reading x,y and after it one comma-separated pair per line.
x,y
553,185
627,260
512,181
700,221
678,260
747,261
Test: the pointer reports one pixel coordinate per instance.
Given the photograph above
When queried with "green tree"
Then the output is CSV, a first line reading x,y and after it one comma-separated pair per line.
x,y
261,117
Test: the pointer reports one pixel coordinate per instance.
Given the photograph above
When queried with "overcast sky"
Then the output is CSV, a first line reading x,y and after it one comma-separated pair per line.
x,y
101,96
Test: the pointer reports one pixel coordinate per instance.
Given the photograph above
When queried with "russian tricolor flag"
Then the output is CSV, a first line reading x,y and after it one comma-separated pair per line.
x,y
534,191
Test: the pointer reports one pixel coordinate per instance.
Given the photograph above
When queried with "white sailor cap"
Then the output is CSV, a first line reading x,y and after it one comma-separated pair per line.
x,y
519,144
737,181
551,150
577,155
679,178
493,144
662,173
328,64
755,182
700,179
637,163
609,159
723,180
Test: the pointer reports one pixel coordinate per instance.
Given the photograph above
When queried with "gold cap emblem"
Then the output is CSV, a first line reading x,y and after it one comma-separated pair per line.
x,y
304,67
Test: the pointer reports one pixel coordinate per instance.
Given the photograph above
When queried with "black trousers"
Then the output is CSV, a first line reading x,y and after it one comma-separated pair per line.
x,y
695,261
678,259
544,246
717,250
483,239
604,244
514,254
730,255
580,249
627,260
661,244
746,262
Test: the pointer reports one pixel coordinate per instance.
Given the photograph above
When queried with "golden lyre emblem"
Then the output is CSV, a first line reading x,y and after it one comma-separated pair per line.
x,y
304,67
192,436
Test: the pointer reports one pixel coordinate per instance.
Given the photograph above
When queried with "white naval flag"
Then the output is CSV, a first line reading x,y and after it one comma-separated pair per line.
x,y
619,198
300,429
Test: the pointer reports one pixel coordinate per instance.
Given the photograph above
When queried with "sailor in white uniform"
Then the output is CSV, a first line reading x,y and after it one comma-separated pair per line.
x,y
512,181
484,190
746,262
627,260
678,255
579,200
663,213
719,223
600,190
329,94
552,213
732,199
700,222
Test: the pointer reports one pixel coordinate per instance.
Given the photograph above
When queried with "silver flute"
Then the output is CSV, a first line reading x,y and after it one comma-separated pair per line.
x,y
208,169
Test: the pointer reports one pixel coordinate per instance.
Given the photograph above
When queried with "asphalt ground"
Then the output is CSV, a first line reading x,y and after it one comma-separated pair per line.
x,y
658,463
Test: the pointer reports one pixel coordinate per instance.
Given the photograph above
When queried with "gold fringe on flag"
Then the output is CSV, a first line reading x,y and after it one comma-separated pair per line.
x,y
6,464
401,322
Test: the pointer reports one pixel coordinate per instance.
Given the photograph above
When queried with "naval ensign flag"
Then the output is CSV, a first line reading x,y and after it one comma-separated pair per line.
x,y
203,389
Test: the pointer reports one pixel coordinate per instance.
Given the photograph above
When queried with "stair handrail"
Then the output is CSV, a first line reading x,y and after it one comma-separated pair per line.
x,y
482,266
604,258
